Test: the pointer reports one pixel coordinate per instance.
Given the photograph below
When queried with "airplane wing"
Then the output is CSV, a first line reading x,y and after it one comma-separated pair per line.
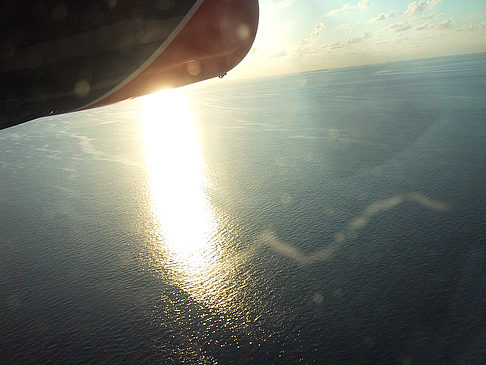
x,y
57,57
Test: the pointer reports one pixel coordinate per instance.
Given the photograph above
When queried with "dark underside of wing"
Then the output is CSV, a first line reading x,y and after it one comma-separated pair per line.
x,y
57,57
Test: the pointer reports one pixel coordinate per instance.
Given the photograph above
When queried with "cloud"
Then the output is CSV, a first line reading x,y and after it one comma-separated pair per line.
x,y
399,27
431,16
382,17
279,54
362,5
355,40
467,28
422,27
346,25
349,42
420,6
446,24
399,38
333,45
477,14
318,28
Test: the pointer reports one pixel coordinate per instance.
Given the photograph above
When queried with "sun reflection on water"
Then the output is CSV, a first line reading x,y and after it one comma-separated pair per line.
x,y
187,246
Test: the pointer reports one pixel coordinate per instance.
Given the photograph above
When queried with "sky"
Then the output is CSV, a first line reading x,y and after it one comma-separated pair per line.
x,y
304,35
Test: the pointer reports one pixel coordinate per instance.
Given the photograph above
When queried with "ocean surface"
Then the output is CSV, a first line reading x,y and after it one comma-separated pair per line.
x,y
328,217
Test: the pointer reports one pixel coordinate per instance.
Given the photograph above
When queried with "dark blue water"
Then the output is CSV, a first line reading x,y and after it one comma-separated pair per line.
x,y
332,217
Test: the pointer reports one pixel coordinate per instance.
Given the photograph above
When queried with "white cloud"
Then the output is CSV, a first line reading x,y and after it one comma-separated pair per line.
x,y
416,7
398,39
382,17
399,27
279,54
423,26
431,16
419,6
467,28
310,38
349,42
355,40
362,5
334,45
446,24
346,25
477,14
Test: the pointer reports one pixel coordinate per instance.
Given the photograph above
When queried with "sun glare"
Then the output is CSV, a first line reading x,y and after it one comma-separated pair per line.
x,y
178,182
192,242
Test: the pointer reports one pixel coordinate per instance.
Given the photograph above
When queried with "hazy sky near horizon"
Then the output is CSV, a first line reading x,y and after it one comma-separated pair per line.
x,y
301,35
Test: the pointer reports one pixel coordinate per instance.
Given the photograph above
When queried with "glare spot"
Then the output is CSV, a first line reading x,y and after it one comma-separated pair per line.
x,y
177,172
308,157
339,237
82,88
243,32
286,198
194,68
187,230
111,3
318,298
302,81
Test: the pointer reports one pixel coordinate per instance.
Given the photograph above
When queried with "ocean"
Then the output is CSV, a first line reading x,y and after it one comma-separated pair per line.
x,y
327,217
